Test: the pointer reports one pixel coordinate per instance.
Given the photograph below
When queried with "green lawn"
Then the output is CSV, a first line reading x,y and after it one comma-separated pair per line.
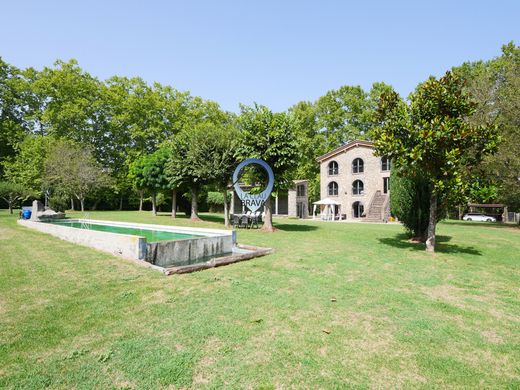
x,y
338,305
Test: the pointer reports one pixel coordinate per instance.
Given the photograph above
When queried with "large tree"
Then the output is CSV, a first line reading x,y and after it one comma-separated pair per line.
x,y
28,166
432,137
221,158
495,84
149,173
72,169
12,121
270,137
13,193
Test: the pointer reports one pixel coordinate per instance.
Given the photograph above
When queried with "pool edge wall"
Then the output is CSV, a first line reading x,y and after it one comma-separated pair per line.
x,y
132,247
187,251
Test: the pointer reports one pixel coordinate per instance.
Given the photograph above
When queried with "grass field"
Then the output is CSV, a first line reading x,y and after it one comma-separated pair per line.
x,y
338,305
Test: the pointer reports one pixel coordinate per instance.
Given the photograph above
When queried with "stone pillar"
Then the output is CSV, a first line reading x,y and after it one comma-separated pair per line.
x,y
37,206
291,203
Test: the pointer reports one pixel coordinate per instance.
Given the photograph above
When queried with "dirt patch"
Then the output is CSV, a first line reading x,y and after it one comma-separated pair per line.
x,y
446,293
201,373
491,337
6,234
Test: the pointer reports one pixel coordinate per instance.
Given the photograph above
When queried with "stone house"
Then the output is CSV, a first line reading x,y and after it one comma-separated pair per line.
x,y
291,203
358,180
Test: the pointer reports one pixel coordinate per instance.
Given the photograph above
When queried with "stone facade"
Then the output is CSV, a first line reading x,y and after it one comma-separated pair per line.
x,y
298,199
356,187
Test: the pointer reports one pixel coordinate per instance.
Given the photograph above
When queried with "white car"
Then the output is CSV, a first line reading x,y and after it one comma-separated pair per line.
x,y
478,217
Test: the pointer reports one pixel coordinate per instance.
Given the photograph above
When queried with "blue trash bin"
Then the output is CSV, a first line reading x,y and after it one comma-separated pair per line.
x,y
26,214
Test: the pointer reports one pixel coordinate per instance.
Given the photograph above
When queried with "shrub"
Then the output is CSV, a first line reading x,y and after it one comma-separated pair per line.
x,y
215,201
59,202
409,202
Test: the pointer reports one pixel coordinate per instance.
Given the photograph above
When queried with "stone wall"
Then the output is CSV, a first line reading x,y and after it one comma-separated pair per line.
x,y
189,251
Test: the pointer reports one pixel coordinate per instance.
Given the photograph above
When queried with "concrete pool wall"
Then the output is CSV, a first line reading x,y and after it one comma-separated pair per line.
x,y
212,242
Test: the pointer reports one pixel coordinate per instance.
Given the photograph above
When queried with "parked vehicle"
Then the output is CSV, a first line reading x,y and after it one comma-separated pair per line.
x,y
478,217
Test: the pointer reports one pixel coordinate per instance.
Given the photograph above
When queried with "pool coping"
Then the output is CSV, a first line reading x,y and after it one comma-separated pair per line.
x,y
252,252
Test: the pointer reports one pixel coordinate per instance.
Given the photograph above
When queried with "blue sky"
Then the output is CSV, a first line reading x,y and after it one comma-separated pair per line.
x,y
271,52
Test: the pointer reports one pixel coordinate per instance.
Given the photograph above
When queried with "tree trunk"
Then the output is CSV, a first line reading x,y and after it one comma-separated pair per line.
x,y
141,196
174,204
121,203
268,223
432,223
10,208
226,209
154,208
82,202
194,205
72,203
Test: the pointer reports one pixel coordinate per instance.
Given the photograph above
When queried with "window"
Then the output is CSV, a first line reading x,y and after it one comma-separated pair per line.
x,y
358,187
386,185
333,168
357,166
300,190
385,164
333,188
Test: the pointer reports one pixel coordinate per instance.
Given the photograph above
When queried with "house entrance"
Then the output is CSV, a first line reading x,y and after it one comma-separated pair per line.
x,y
357,209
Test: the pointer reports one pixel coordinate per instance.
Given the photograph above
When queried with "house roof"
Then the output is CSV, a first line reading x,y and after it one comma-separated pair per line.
x,y
344,148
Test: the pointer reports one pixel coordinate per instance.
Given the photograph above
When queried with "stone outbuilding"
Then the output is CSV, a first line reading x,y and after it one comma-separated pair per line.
x,y
358,180
292,203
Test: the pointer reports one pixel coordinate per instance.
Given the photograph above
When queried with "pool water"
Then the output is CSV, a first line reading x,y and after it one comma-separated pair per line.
x,y
150,235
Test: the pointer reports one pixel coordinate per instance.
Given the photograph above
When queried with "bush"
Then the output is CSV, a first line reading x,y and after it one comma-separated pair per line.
x,y
215,201
59,202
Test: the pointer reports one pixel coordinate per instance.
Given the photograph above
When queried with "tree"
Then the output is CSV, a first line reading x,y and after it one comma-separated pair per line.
x,y
13,193
190,163
432,138
271,137
28,166
72,169
149,173
344,115
495,84
12,121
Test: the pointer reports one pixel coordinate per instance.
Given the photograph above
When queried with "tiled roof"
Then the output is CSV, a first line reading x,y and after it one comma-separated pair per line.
x,y
344,148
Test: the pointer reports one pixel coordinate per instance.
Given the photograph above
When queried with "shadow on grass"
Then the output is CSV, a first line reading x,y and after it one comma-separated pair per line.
x,y
295,228
402,241
202,216
497,225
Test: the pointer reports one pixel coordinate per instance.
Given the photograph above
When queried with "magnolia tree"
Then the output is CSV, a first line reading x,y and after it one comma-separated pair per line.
x,y
431,138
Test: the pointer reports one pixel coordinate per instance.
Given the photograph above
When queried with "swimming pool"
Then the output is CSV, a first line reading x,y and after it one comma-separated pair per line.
x,y
151,235
160,245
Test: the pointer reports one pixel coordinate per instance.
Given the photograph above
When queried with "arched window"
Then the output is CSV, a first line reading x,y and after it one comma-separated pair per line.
x,y
358,187
333,188
333,168
385,164
357,166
